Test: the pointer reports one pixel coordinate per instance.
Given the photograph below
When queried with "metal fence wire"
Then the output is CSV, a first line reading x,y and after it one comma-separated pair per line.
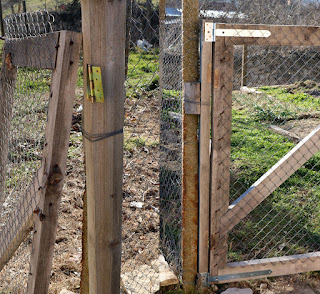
x,y
151,137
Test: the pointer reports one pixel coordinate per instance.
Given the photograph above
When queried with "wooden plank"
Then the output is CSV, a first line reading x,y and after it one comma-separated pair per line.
x,y
104,33
36,52
280,266
244,69
221,150
271,180
204,155
7,81
192,98
190,148
63,85
280,35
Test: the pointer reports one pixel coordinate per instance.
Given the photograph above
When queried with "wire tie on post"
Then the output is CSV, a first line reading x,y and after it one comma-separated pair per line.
x,y
197,102
99,137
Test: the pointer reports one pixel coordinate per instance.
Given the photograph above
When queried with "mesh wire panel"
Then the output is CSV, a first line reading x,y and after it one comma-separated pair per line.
x,y
24,107
152,153
25,139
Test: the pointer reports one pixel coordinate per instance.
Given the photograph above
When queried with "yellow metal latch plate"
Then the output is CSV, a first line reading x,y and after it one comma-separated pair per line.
x,y
95,87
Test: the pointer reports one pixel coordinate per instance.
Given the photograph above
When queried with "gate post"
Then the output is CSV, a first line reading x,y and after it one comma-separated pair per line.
x,y
190,148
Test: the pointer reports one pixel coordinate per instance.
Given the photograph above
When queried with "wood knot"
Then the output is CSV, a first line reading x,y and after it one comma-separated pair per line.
x,y
9,62
55,178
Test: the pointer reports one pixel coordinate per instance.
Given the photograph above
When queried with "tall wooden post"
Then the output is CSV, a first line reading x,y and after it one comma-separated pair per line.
x,y
104,33
190,161
244,71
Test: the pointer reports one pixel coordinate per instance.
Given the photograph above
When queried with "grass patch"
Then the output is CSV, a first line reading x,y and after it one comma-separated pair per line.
x,y
280,104
143,68
287,222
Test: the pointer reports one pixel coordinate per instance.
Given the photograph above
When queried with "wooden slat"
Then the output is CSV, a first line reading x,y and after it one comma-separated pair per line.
x,y
7,82
271,180
63,86
104,32
279,266
192,98
221,150
204,155
280,35
36,52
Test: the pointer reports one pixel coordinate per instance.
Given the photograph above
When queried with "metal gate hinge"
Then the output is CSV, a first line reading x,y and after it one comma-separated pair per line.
x,y
94,85
205,279
211,32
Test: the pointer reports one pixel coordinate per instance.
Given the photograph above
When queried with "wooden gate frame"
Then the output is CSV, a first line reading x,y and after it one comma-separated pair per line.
x,y
216,216
59,51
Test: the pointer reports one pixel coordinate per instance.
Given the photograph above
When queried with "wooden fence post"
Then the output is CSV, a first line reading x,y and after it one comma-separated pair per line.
x,y
221,150
104,33
244,69
190,148
63,86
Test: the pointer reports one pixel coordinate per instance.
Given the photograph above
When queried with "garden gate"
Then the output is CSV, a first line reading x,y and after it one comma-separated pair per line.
x,y
218,218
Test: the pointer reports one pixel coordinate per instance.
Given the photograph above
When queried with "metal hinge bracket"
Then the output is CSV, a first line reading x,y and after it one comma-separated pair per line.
x,y
211,32
206,280
94,85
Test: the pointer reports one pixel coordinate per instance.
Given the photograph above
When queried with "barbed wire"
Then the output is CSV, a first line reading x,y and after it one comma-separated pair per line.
x,y
28,24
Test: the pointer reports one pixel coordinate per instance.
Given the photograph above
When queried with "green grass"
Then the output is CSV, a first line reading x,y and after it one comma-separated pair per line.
x,y
279,104
143,68
34,5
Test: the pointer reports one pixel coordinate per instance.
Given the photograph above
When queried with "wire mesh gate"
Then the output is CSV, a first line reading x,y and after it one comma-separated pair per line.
x,y
269,225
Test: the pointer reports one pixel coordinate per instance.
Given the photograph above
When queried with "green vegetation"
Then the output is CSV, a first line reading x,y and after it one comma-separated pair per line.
x,y
287,222
279,104
143,68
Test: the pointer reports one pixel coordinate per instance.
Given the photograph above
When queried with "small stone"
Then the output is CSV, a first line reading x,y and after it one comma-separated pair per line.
x,y
214,288
263,286
237,291
135,204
